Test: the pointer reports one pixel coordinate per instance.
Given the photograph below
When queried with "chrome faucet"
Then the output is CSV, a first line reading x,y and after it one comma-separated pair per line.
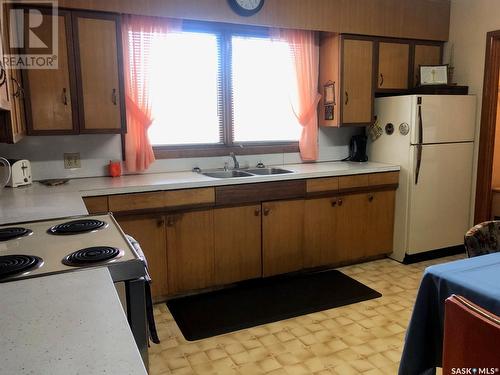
x,y
236,164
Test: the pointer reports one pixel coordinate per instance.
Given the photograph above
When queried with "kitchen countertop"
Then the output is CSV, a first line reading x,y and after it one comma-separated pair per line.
x,y
48,328
39,202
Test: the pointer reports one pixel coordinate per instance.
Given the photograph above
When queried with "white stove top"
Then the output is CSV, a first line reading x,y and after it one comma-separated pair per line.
x,y
53,248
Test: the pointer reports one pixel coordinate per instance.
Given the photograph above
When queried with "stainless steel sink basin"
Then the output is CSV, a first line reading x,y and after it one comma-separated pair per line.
x,y
227,174
267,171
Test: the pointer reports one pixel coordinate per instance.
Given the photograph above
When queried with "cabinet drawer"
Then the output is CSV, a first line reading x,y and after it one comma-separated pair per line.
x,y
386,178
354,181
322,184
136,201
186,197
96,205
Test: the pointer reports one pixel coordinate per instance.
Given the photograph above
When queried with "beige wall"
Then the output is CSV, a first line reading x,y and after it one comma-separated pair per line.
x,y
470,20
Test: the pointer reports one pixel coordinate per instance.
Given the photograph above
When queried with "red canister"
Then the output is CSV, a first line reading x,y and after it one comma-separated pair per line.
x,y
115,168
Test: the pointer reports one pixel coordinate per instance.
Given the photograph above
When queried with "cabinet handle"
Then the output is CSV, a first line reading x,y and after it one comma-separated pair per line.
x,y
381,80
370,198
257,212
346,98
3,75
340,202
19,89
64,96
266,211
113,97
333,203
170,221
160,222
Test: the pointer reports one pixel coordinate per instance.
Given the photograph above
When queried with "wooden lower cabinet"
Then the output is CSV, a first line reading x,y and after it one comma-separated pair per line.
x,y
237,244
190,250
320,232
343,229
380,222
149,231
282,236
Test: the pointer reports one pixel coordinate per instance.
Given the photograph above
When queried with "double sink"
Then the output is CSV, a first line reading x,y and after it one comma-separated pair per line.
x,y
233,173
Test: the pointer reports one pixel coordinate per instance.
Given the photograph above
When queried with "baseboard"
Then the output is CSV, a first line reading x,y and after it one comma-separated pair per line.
x,y
434,254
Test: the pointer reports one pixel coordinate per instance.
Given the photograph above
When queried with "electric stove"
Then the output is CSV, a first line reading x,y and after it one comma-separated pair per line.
x,y
47,247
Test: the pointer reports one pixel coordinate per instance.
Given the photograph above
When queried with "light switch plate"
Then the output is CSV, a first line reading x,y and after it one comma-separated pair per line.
x,y
72,160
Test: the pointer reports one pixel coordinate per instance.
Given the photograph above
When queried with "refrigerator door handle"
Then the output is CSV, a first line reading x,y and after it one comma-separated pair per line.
x,y
419,162
420,126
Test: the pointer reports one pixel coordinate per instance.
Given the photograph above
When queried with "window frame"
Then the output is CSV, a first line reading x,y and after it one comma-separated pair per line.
x,y
225,32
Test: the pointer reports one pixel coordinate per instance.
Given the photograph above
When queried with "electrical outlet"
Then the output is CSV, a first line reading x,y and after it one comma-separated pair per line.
x,y
72,160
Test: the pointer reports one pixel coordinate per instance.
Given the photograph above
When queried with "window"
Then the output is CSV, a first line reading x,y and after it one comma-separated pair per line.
x,y
217,87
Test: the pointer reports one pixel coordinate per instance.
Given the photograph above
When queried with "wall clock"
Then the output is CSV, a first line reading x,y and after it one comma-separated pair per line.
x,y
246,7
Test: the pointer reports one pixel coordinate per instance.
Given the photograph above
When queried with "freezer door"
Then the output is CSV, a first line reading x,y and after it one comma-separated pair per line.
x,y
440,201
443,118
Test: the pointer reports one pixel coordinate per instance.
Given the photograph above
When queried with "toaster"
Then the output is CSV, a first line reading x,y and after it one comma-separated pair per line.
x,y
21,173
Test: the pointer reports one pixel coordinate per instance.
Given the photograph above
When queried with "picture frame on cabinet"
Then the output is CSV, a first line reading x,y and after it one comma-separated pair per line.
x,y
433,75
329,93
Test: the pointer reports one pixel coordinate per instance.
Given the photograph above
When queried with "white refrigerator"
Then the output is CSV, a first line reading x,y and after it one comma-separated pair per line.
x,y
433,142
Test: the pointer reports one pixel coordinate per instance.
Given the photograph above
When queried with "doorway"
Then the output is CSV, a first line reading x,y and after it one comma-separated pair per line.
x,y
488,170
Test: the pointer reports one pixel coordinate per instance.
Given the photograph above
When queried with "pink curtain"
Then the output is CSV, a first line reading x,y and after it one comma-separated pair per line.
x,y
138,34
305,49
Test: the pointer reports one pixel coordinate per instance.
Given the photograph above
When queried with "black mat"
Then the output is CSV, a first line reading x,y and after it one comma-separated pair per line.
x,y
263,301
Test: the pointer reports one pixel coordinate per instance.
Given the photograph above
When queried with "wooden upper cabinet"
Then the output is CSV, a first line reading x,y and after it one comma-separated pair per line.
x,y
51,99
282,236
357,90
393,65
13,122
425,55
97,48
346,63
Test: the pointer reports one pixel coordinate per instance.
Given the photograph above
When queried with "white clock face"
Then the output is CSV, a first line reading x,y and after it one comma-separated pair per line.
x,y
249,4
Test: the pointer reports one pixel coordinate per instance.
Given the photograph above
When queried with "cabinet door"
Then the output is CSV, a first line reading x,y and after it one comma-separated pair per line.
x,y
52,98
100,93
237,244
357,81
190,250
149,231
425,55
393,63
321,220
350,236
13,123
282,236
379,222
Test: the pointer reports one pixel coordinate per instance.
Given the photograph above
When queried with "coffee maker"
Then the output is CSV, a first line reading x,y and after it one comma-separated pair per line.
x,y
357,148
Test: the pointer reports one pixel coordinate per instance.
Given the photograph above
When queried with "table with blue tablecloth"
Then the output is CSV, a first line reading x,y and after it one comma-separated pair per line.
x,y
477,279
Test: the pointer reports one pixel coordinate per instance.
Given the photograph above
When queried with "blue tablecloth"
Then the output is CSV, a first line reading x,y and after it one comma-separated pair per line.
x,y
477,279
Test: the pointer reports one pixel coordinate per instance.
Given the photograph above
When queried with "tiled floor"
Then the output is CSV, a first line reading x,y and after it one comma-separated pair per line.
x,y
365,338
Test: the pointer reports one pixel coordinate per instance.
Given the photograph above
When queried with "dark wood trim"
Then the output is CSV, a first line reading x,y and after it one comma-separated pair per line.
x,y
361,189
78,70
72,81
171,152
165,210
488,127
259,192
